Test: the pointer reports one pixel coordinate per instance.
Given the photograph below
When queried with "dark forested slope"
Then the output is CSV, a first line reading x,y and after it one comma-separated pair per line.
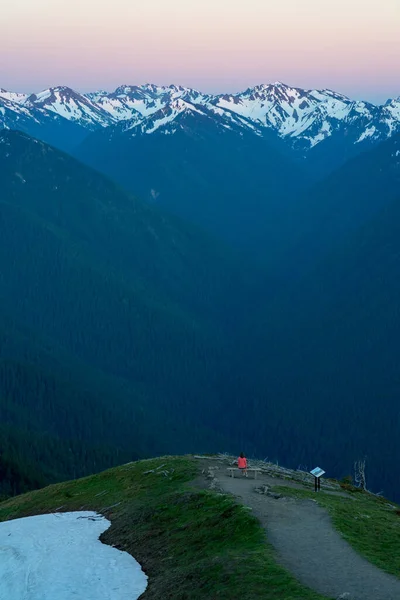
x,y
115,319
328,358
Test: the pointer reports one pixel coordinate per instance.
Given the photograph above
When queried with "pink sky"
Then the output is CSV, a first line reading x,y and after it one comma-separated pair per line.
x,y
352,46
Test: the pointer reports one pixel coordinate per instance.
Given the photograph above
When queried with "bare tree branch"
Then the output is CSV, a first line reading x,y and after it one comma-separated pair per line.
x,y
359,474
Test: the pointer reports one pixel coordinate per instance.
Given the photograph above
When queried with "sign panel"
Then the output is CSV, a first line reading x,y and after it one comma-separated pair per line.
x,y
317,472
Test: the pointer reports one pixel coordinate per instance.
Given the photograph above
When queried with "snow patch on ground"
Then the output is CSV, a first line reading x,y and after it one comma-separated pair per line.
x,y
60,557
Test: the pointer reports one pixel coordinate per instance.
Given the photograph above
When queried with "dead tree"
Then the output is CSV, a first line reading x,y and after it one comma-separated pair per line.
x,y
359,474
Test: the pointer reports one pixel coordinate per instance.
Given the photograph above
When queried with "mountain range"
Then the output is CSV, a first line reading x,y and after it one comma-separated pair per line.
x,y
306,120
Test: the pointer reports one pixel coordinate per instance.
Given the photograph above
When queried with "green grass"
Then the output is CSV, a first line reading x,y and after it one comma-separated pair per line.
x,y
367,522
193,544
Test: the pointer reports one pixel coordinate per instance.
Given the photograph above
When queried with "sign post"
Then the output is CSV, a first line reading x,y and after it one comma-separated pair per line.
x,y
317,472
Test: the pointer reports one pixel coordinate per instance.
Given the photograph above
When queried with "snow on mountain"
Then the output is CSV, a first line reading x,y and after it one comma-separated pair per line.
x,y
71,105
13,114
96,96
128,99
329,116
13,96
308,116
176,115
391,112
166,115
41,123
163,120
146,99
233,119
303,118
278,106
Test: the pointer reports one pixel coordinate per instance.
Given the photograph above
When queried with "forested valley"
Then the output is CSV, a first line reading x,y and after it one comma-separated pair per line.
x,y
128,332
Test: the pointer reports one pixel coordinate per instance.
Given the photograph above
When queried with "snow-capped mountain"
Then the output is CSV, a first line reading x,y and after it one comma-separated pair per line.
x,y
39,122
145,99
16,115
302,118
307,117
13,96
174,115
289,111
96,96
12,112
71,105
391,110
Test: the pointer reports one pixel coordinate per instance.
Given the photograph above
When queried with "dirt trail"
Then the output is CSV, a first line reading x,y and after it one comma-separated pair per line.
x,y
307,544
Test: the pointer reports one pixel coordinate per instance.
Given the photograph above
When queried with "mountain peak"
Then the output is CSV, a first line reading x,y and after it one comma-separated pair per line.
x,y
177,88
62,89
76,107
276,92
126,89
53,94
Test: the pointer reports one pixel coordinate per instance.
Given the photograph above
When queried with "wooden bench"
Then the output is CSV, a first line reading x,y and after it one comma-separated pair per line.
x,y
255,470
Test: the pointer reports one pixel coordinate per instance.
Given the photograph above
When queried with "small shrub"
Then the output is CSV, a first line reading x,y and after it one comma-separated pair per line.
x,y
348,487
348,479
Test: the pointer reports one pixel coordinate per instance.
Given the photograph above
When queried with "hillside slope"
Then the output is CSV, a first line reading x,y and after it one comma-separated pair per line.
x,y
114,321
328,352
200,544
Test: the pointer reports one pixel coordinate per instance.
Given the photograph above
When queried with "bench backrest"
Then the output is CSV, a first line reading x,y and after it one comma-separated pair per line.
x,y
248,468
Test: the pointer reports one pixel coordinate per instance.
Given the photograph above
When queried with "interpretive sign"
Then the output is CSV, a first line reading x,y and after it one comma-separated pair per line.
x,y
317,472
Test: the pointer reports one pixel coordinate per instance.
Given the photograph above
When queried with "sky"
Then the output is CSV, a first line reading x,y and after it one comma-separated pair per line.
x,y
351,46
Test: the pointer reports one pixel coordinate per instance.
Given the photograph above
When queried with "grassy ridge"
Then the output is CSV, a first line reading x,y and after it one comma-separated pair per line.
x,y
193,544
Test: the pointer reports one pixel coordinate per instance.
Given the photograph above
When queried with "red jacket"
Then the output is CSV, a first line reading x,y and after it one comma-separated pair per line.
x,y
242,462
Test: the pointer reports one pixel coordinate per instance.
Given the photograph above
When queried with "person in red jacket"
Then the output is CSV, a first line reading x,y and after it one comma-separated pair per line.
x,y
242,464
